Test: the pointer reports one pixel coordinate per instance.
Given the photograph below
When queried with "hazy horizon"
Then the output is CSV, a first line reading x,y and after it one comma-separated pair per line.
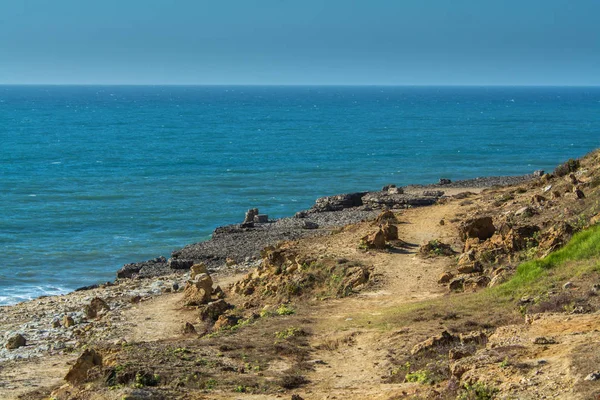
x,y
310,43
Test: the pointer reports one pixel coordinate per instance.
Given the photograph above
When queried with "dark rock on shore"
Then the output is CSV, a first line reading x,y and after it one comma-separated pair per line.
x,y
338,202
129,270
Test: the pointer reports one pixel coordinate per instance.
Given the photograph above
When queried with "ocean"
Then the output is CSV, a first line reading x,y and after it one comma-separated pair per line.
x,y
93,177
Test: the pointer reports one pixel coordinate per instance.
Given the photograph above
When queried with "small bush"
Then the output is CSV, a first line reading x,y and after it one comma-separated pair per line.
x,y
292,381
478,391
285,309
566,168
421,376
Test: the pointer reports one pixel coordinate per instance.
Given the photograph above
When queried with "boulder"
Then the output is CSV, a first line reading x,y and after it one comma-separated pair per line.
x,y
225,321
261,218
96,306
338,202
386,216
175,263
444,181
481,228
375,240
390,232
199,291
15,341
445,277
198,269
130,270
86,361
250,214
214,309
457,284
310,225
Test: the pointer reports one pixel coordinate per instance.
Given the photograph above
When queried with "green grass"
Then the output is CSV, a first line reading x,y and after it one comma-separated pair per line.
x,y
584,246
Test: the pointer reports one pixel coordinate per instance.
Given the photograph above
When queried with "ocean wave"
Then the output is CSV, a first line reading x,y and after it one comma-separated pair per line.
x,y
17,294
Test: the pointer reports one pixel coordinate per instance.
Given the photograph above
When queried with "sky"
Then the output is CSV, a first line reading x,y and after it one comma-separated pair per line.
x,y
300,42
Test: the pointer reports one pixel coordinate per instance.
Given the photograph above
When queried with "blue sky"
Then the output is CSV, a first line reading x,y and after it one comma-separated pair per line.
x,y
369,42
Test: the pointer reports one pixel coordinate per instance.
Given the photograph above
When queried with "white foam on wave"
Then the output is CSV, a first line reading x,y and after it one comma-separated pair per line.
x,y
56,162
18,294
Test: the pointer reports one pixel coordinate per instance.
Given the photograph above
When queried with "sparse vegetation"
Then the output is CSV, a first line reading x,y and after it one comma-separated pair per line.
x,y
566,168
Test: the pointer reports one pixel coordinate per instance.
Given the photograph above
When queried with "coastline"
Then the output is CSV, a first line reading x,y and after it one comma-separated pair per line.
x,y
240,245
147,325
40,319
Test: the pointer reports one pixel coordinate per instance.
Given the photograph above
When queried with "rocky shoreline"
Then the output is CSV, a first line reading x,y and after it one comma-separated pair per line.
x,y
58,324
240,244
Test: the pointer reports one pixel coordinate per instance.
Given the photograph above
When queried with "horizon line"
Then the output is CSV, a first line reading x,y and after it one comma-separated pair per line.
x,y
298,85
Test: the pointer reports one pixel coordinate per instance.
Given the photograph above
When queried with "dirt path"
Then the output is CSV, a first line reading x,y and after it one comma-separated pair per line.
x,y
353,357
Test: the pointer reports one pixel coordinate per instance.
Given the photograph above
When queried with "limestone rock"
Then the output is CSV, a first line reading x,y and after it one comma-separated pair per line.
x,y
15,341
499,279
225,321
443,339
375,240
338,202
390,232
96,306
198,269
261,218
386,216
481,228
456,284
86,361
250,214
445,277
130,270
198,291
214,310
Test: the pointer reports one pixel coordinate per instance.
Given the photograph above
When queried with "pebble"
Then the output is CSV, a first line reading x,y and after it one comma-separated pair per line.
x,y
39,320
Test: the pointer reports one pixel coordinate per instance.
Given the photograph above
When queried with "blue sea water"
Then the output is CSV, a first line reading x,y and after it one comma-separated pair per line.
x,y
92,177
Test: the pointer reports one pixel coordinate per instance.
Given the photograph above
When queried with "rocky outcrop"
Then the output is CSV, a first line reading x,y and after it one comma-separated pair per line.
x,y
481,228
177,263
338,202
86,361
198,291
375,240
96,306
132,269
213,310
387,200
250,214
